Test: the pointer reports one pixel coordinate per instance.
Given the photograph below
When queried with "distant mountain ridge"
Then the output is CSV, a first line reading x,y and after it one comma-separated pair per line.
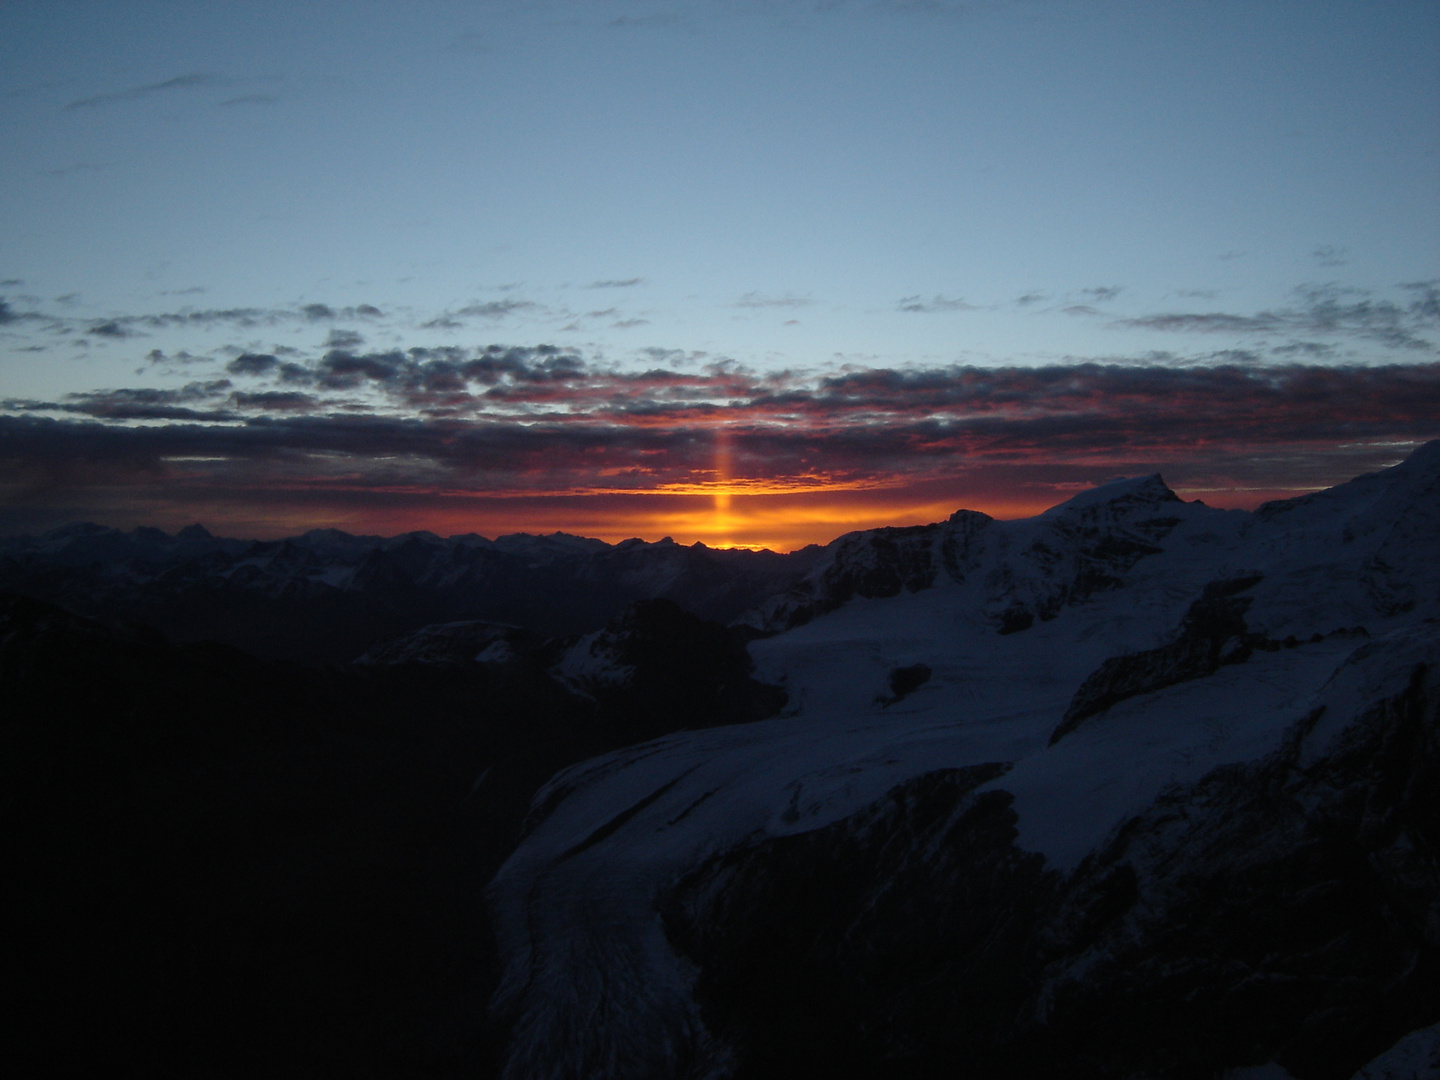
x,y
327,596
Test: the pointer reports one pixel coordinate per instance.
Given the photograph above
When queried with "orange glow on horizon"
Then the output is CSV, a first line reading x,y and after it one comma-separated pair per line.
x,y
718,518
726,512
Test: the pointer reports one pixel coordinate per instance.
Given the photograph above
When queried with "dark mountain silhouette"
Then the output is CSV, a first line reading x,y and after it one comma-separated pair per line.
x,y
1133,788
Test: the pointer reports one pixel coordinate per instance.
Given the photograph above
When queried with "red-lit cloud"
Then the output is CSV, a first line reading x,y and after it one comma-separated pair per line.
x,y
500,440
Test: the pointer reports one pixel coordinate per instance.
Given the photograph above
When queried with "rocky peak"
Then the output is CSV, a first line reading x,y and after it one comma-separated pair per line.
x,y
1123,499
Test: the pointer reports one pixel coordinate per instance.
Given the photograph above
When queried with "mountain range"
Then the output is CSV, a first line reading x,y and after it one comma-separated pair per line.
x,y
1134,788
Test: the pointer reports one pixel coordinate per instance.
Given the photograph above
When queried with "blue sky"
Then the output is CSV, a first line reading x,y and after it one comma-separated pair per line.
x,y
801,188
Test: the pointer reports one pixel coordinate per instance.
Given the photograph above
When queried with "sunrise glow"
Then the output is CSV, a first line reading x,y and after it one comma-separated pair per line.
x,y
742,275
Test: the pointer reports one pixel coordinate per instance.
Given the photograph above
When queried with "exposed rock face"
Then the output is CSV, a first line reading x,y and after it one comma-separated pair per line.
x,y
847,950
870,564
1213,633
906,680
1283,911
1025,571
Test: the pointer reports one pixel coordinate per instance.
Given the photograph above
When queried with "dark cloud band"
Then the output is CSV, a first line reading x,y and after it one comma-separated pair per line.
x,y
606,431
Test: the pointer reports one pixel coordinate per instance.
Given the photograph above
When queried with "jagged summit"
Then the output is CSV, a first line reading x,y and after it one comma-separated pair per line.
x,y
1125,493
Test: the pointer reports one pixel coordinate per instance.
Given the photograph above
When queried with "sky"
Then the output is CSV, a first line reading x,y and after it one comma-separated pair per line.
x,y
734,271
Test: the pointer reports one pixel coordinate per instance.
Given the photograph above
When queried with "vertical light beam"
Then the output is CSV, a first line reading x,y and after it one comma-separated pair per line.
x,y
723,521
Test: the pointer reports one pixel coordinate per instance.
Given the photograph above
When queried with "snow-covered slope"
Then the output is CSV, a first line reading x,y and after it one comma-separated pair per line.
x,y
1100,693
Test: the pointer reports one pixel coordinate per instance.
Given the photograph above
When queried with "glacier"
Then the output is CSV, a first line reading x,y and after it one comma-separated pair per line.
x,y
1273,651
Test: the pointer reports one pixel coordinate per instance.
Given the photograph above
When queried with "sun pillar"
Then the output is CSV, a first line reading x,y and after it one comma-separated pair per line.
x,y
723,521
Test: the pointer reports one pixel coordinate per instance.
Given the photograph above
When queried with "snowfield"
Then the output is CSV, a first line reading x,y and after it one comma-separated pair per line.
x,y
1240,636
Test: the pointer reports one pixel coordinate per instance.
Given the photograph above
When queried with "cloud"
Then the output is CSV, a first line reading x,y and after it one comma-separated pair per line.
x,y
159,356
1330,255
340,370
111,328
532,423
344,339
1322,309
934,304
277,400
1102,293
954,410
678,357
248,99
323,312
1314,350
193,81
10,317
415,374
146,403
760,300
297,374
626,324
616,284
1207,322
137,325
495,309
253,364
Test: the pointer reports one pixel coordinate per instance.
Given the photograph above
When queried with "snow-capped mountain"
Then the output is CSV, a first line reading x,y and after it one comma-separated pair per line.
x,y
1136,787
